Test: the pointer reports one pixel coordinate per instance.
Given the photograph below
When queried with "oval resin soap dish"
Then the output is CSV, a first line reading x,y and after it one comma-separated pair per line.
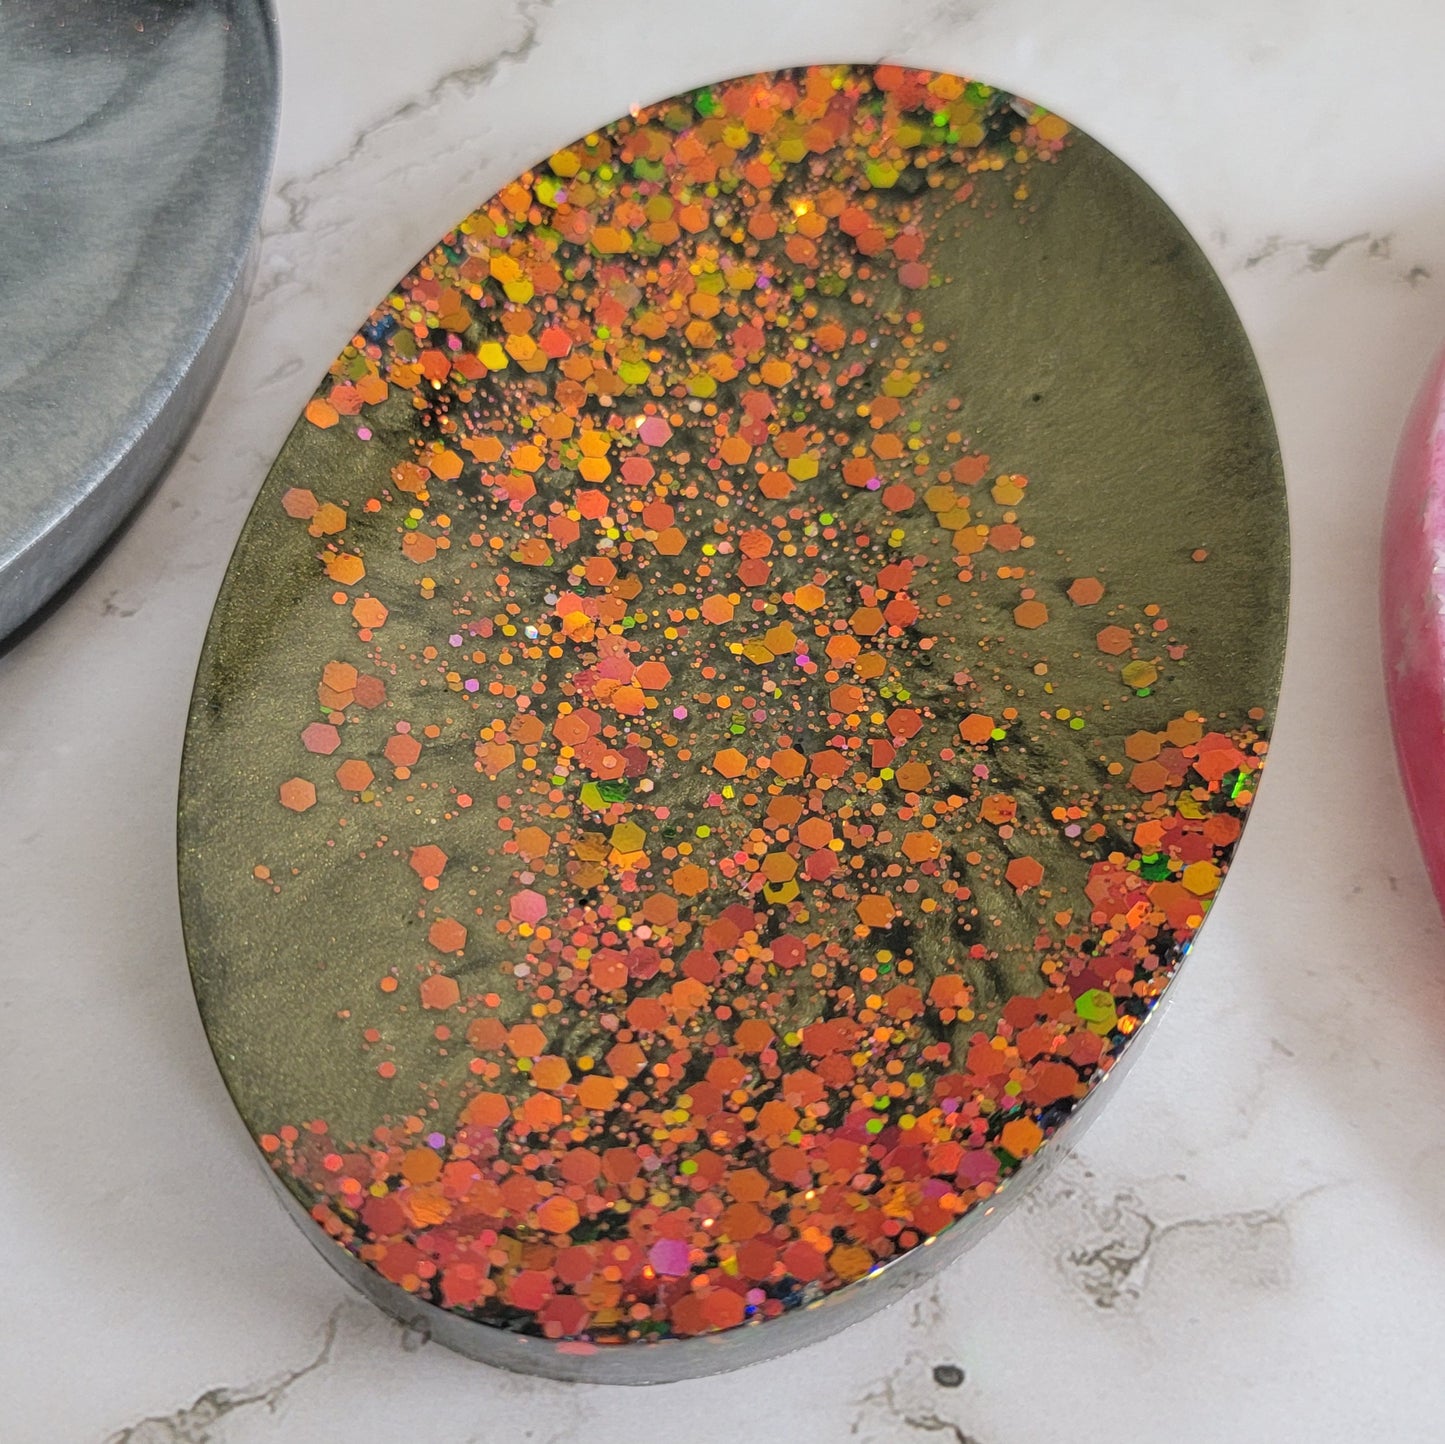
x,y
729,709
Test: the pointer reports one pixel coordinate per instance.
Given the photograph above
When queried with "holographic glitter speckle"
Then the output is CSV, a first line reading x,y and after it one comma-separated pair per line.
x,y
711,826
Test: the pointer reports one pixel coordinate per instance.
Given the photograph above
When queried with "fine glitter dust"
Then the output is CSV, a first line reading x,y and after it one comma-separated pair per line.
x,y
733,702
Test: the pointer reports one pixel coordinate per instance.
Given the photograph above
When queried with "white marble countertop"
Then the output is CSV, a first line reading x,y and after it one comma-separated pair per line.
x,y
1248,1244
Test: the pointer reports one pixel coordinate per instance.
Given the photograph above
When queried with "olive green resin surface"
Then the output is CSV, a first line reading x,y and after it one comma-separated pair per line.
x,y
730,707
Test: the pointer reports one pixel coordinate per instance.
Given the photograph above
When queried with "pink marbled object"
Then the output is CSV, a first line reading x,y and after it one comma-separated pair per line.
x,y
1412,617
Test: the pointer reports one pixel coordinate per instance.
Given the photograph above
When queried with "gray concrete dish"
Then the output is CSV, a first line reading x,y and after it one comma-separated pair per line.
x,y
135,148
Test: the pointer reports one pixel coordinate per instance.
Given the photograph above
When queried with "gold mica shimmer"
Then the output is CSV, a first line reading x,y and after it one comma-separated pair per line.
x,y
731,704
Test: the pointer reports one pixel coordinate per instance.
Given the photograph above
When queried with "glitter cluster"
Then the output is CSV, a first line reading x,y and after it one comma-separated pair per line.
x,y
764,919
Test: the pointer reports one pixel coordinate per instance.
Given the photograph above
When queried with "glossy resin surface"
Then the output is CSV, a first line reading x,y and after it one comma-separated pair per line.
x,y
731,706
